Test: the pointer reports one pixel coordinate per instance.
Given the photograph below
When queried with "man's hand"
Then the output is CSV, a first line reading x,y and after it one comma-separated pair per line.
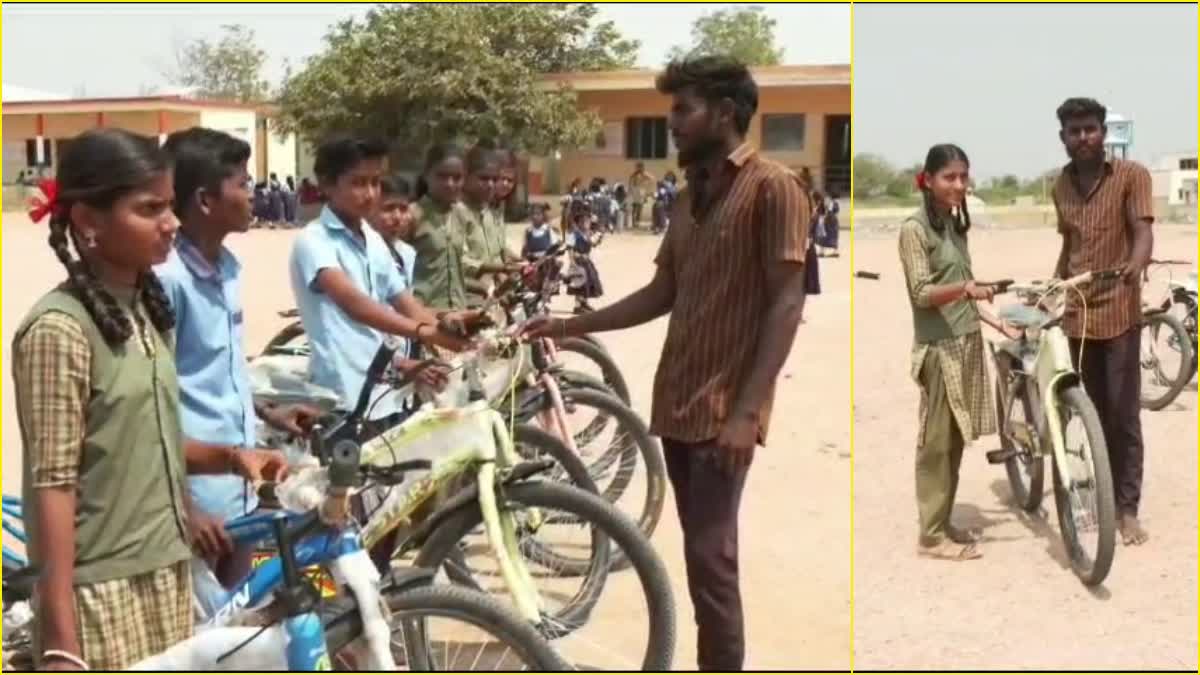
x,y
545,327
739,436
258,465
1134,269
297,420
435,375
209,538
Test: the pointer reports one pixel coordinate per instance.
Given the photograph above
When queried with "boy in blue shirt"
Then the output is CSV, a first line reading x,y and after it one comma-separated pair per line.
x,y
202,281
348,289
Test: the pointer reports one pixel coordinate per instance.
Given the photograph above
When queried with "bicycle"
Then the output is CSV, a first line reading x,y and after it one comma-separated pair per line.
x,y
1171,365
286,630
1039,394
472,443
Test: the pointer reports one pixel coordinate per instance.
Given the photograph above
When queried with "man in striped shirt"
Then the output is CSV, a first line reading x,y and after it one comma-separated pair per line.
x,y
730,273
1104,216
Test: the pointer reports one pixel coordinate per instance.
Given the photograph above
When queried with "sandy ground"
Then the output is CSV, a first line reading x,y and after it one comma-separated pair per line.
x,y
1020,606
795,549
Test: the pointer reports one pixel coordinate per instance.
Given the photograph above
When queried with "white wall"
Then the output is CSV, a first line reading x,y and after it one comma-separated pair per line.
x,y
239,123
281,155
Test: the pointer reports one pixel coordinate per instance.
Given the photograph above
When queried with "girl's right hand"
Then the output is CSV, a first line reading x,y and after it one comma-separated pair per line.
x,y
976,292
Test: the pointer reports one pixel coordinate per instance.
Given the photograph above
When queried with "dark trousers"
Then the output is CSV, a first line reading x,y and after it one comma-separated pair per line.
x,y
1113,379
707,499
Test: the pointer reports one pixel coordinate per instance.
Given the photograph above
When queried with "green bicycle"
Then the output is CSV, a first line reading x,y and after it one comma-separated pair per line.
x,y
1043,410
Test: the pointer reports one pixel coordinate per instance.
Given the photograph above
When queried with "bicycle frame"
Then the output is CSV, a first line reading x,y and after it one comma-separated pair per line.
x,y
1051,366
13,509
301,637
486,449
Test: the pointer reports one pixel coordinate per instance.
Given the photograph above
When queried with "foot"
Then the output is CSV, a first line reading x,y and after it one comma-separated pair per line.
x,y
949,550
968,536
1132,533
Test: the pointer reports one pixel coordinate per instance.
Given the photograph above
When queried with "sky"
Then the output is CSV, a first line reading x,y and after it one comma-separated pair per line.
x,y
137,40
989,77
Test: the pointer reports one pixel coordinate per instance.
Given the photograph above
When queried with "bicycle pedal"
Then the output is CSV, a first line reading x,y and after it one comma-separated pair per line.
x,y
1000,456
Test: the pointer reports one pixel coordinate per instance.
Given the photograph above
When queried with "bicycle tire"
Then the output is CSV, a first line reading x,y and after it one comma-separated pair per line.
x,y
1028,498
625,454
1185,374
610,372
455,602
1090,572
616,528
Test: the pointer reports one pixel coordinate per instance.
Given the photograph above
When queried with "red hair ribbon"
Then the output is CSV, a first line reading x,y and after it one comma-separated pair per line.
x,y
48,203
922,180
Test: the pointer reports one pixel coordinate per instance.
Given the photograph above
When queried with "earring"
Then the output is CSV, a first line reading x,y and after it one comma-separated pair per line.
x,y
89,240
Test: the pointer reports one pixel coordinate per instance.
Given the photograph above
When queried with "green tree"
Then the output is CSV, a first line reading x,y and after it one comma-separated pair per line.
x,y
227,68
422,73
746,34
872,175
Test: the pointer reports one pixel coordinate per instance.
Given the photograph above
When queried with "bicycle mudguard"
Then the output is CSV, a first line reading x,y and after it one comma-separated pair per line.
x,y
1153,311
405,578
469,495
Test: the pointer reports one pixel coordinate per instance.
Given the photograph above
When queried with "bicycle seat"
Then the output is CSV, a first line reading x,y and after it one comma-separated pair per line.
x,y
1023,316
283,380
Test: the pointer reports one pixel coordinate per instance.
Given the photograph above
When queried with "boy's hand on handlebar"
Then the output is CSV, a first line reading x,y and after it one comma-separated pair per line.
x,y
259,465
297,419
433,375
463,323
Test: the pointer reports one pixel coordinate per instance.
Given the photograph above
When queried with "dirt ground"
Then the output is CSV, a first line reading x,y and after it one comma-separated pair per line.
x,y
795,549
1020,606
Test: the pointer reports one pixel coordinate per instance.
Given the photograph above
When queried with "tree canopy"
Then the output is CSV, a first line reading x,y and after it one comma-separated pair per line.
x,y
228,68
423,73
746,34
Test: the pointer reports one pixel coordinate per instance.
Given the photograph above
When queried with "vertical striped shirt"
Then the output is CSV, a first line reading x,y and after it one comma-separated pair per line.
x,y
756,214
1098,228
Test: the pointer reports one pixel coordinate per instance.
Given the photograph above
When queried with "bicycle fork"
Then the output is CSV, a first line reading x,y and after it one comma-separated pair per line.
x,y
501,528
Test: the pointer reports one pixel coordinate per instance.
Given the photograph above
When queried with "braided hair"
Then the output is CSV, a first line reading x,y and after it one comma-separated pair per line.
x,y
935,160
98,168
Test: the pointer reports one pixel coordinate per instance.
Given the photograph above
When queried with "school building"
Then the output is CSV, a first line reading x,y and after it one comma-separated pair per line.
x,y
38,130
803,120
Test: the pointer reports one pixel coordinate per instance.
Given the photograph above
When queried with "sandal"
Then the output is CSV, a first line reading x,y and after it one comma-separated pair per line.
x,y
968,536
949,550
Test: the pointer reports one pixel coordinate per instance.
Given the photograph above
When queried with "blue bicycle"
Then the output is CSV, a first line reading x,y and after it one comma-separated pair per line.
x,y
291,629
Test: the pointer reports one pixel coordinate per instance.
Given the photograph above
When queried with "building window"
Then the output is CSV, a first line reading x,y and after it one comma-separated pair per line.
x,y
31,152
1188,163
783,133
646,138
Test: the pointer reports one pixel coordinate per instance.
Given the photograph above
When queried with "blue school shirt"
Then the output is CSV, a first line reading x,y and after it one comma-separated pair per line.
x,y
342,348
216,404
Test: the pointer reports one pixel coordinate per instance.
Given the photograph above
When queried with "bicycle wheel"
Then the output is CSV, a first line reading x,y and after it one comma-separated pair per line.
x,y
1085,506
632,646
591,350
510,643
1019,434
612,462
1166,360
